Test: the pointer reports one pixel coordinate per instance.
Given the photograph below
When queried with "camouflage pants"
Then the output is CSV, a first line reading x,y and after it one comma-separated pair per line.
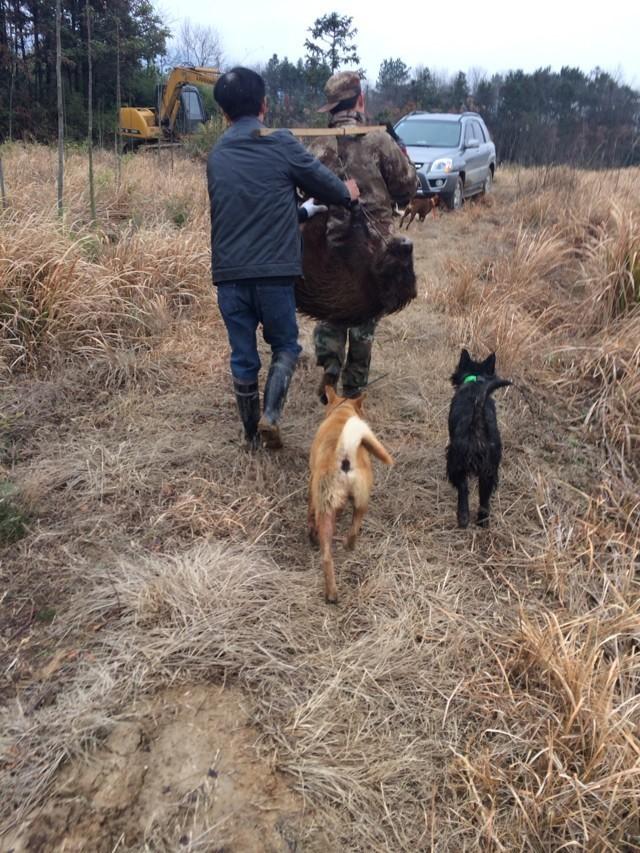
x,y
331,347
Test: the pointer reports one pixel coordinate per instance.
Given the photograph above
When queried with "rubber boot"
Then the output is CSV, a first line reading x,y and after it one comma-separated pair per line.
x,y
329,377
248,400
351,391
275,393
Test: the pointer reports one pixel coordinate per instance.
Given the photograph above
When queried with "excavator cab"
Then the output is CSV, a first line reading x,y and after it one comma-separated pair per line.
x,y
192,111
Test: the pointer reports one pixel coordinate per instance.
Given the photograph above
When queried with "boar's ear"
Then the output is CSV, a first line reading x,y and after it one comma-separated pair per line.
x,y
465,359
489,364
329,390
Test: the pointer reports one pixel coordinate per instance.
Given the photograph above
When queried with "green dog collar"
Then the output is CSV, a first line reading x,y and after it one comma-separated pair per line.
x,y
470,378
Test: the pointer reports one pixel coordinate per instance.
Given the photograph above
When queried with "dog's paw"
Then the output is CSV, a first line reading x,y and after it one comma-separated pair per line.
x,y
331,594
350,542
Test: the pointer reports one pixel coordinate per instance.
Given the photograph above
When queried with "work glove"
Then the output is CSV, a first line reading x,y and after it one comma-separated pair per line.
x,y
311,207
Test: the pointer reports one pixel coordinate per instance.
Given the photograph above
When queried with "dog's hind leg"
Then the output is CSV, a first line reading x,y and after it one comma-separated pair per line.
x,y
462,486
359,513
486,487
457,476
311,524
326,527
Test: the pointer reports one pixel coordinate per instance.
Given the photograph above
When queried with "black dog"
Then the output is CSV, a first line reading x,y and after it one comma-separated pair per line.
x,y
474,439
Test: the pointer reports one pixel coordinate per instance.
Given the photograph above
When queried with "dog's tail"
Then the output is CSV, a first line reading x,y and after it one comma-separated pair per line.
x,y
488,388
357,432
376,448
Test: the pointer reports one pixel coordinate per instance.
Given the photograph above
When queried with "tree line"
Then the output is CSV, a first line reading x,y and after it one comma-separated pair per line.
x,y
125,33
569,116
566,116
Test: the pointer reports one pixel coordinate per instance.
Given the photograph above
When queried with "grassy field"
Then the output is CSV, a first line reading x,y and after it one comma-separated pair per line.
x,y
172,678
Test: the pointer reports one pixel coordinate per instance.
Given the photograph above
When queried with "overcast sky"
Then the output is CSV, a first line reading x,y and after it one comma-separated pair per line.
x,y
497,35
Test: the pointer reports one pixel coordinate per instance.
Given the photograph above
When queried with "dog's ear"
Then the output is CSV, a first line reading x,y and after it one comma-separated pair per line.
x,y
465,359
330,392
489,364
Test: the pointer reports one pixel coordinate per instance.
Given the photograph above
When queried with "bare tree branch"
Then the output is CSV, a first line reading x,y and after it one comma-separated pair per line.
x,y
196,44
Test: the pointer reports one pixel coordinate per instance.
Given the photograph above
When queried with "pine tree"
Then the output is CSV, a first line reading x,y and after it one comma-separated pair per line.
x,y
333,42
393,81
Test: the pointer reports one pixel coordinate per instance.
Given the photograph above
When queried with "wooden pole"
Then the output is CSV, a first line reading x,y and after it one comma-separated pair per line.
x,y
347,130
14,62
92,194
60,107
3,194
118,108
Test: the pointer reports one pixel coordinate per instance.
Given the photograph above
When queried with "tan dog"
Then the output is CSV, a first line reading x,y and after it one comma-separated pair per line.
x,y
341,470
420,207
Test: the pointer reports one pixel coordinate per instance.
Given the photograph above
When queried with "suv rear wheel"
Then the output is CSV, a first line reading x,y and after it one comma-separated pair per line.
x,y
456,199
488,183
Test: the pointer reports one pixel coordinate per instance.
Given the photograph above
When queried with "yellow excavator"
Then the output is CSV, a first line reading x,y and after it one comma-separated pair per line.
x,y
180,109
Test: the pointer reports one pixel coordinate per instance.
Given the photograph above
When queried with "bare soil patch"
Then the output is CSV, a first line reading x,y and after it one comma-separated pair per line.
x,y
181,773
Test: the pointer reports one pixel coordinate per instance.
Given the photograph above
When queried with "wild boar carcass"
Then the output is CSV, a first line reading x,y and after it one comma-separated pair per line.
x,y
360,276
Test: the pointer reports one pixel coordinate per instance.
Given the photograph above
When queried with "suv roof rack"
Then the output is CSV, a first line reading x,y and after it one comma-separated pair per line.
x,y
459,115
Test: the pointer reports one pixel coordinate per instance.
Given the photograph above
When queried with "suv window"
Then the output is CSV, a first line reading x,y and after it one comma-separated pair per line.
x,y
478,131
428,133
469,132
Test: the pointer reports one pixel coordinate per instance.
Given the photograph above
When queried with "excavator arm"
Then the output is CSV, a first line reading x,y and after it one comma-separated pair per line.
x,y
146,124
180,76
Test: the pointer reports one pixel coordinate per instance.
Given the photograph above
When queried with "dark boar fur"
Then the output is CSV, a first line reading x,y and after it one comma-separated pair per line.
x,y
364,277
474,438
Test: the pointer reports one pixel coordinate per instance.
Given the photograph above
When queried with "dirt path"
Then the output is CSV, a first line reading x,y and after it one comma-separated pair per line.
x,y
339,729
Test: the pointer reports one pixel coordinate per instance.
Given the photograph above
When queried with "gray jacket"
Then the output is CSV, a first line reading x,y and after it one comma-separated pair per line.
x,y
254,217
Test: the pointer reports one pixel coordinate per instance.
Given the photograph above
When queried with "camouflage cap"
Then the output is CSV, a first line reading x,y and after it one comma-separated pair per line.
x,y
340,87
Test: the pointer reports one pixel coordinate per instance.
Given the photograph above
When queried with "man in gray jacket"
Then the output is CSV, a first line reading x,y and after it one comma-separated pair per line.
x,y
256,243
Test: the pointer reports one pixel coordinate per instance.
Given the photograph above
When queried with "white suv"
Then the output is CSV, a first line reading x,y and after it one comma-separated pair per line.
x,y
454,154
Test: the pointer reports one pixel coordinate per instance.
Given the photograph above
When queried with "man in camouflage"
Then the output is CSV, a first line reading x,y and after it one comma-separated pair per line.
x,y
385,176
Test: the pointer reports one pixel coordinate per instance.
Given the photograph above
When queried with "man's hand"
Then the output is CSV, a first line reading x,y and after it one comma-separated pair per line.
x,y
354,192
312,207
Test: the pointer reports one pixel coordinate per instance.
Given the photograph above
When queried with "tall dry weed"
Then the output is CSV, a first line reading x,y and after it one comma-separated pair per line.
x,y
565,297
612,270
104,293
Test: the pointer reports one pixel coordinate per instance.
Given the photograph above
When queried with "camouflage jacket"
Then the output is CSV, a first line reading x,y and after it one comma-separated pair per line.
x,y
382,171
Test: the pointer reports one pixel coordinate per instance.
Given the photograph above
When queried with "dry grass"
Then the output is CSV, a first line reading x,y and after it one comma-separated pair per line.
x,y
473,691
103,295
565,299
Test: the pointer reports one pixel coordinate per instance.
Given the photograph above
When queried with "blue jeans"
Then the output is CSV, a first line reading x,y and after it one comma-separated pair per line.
x,y
244,305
